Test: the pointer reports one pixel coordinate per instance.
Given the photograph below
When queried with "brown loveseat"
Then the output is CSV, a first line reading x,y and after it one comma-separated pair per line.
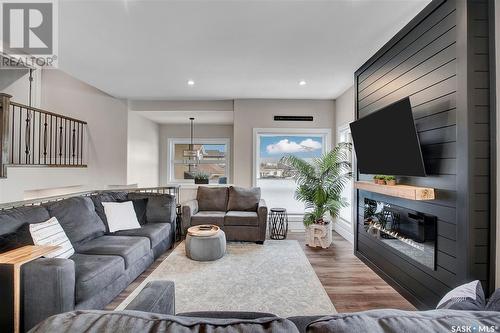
x,y
239,211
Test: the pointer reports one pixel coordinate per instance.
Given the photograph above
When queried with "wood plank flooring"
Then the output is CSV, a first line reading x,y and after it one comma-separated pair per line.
x,y
350,284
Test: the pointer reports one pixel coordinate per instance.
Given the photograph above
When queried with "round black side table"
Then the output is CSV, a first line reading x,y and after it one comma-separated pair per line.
x,y
278,223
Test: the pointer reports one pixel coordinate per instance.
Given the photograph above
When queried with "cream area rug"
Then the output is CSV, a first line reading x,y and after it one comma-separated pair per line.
x,y
275,277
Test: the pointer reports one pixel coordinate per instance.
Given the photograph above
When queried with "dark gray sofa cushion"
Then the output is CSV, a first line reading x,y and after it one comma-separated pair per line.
x,y
395,321
494,301
78,218
243,199
139,205
227,314
130,249
241,218
155,232
212,198
156,297
12,219
92,321
94,273
208,217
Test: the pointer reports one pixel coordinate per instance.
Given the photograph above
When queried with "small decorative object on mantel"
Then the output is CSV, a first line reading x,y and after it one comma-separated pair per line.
x,y
379,179
320,184
390,180
201,178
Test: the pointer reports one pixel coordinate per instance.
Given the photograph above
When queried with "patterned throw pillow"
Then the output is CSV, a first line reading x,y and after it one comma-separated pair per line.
x,y
469,296
494,301
51,233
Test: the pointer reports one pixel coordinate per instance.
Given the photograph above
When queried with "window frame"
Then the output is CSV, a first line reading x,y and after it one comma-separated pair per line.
x,y
171,142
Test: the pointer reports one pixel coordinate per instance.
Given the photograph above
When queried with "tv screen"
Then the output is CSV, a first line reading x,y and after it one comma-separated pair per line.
x,y
386,142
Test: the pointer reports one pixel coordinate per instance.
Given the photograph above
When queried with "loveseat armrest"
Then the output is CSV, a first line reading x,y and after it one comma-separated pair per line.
x,y
48,287
262,214
189,208
155,297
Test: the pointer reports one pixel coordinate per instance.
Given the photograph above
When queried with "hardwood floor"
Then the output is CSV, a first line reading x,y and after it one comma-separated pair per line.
x,y
350,284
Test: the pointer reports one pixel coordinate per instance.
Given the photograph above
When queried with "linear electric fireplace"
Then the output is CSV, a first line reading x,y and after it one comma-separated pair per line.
x,y
409,232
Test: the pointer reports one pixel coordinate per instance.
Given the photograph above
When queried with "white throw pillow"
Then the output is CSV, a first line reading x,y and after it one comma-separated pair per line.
x,y
120,216
51,233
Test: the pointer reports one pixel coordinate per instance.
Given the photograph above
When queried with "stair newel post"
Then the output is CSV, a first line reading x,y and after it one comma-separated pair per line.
x,y
4,133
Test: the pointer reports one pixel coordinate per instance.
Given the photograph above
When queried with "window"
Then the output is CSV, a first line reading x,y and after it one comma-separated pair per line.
x,y
270,145
213,159
345,214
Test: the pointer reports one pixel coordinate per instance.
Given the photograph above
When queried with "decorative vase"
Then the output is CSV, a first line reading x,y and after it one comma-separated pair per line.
x,y
319,235
380,181
391,182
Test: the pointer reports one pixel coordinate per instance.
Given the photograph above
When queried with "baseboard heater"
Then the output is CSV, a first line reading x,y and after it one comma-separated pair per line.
x,y
293,118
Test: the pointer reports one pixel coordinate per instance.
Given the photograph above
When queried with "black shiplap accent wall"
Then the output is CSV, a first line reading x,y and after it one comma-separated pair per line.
x,y
441,61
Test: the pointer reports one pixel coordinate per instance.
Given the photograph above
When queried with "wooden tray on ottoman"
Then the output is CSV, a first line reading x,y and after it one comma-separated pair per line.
x,y
204,230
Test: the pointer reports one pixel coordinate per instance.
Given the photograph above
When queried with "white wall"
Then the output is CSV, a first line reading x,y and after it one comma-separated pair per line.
x,y
107,146
204,131
344,109
143,151
259,113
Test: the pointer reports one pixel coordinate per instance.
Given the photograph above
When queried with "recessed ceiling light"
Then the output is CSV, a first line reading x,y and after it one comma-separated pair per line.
x,y
190,83
302,83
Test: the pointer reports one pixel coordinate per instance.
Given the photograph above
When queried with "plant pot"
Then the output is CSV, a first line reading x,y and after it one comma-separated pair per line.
x,y
375,181
319,235
380,181
390,182
201,181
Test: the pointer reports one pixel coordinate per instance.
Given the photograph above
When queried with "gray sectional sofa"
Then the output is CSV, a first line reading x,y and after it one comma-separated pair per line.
x,y
104,263
153,310
240,212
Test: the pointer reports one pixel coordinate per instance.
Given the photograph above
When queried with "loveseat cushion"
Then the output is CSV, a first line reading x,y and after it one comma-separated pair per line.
x,y
129,248
12,219
208,217
234,218
78,218
243,199
155,232
212,198
94,273
93,321
388,320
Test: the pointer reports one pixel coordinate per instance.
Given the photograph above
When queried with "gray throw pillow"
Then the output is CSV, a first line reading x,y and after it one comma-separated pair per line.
x,y
243,199
212,198
494,301
469,296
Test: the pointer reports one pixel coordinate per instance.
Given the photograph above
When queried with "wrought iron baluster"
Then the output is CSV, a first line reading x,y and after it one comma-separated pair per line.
x,y
60,141
45,140
73,143
27,137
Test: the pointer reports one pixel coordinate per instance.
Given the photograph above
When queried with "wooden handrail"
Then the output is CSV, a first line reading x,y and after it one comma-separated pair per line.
x,y
48,112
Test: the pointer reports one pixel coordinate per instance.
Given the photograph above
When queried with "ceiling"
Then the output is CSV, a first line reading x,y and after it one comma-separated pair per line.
x,y
182,117
230,49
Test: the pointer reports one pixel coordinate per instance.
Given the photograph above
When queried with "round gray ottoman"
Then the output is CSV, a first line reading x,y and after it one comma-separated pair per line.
x,y
206,248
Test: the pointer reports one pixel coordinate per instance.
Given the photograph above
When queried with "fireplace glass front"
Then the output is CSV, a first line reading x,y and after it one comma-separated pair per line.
x,y
409,232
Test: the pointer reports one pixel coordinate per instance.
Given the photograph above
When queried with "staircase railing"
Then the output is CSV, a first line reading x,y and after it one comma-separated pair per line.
x,y
36,137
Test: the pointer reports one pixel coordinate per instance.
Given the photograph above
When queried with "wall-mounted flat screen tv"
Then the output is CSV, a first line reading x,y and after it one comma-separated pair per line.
x,y
386,142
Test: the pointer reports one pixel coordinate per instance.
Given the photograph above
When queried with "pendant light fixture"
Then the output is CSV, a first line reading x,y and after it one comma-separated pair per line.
x,y
193,155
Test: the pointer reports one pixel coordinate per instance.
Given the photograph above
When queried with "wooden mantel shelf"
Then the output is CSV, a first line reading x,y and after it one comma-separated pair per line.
x,y
401,191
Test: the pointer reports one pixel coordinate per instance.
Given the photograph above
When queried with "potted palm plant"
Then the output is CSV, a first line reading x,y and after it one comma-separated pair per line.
x,y
319,186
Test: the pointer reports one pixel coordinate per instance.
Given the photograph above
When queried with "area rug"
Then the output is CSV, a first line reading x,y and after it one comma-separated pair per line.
x,y
275,277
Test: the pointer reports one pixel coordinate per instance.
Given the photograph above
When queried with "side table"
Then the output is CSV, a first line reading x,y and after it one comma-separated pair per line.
x,y
278,223
178,222
10,271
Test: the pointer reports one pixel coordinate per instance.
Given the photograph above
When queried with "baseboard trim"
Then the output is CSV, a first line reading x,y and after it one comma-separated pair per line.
x,y
337,227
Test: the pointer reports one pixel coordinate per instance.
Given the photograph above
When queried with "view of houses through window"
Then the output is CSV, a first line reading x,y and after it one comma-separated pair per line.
x,y
211,158
272,177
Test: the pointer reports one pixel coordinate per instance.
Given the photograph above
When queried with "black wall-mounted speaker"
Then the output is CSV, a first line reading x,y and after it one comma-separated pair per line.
x,y
293,118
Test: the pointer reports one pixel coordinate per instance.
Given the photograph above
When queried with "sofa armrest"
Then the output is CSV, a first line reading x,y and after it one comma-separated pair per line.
x,y
48,288
155,297
262,213
189,208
